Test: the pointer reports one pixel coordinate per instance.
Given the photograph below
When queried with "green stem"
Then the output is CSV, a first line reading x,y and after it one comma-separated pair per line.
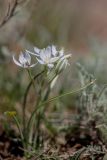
x,y
37,118
56,98
30,75
39,115
26,95
18,126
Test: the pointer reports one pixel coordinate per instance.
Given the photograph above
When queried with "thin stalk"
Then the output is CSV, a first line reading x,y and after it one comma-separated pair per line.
x,y
40,115
18,126
26,95
36,137
68,93
31,78
36,141
31,130
56,98
36,118
25,132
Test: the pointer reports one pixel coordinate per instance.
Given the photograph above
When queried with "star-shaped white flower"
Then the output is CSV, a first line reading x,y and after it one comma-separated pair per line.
x,y
46,56
24,60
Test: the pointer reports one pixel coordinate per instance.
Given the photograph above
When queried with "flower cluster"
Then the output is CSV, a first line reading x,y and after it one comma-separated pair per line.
x,y
53,62
49,57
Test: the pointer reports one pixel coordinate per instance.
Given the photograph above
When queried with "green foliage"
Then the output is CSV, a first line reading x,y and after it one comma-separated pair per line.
x,y
91,103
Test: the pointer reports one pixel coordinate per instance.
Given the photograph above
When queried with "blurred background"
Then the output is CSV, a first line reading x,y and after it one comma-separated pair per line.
x,y
68,23
78,26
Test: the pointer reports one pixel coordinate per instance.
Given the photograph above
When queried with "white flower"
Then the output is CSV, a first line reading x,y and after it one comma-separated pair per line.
x,y
24,60
46,56
51,49
51,57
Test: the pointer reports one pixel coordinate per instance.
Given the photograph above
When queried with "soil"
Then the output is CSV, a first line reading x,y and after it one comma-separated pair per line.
x,y
11,147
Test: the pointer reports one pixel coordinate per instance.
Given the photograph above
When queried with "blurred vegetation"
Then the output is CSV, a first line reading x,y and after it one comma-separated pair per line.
x,y
40,23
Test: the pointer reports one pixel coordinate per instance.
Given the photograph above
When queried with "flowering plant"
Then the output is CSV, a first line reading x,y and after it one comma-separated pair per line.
x,y
54,62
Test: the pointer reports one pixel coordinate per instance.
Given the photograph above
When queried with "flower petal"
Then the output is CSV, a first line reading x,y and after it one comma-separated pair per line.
x,y
24,58
33,65
16,62
54,51
40,61
43,55
48,52
30,52
37,50
27,57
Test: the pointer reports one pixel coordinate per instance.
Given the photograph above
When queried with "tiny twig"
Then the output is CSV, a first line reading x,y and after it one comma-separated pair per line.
x,y
10,12
11,7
